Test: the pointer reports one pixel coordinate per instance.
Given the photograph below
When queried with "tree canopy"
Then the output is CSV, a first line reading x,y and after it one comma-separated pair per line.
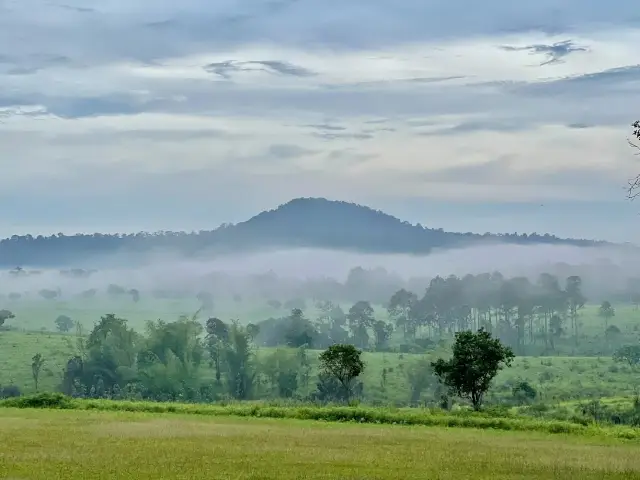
x,y
477,358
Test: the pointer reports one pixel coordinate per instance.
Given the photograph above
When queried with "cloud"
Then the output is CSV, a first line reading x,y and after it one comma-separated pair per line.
x,y
226,68
554,53
457,101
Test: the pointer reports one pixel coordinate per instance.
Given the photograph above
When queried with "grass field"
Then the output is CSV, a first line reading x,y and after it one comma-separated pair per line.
x,y
45,444
556,378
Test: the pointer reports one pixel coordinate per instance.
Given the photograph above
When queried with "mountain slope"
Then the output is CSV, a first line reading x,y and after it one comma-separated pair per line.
x,y
302,222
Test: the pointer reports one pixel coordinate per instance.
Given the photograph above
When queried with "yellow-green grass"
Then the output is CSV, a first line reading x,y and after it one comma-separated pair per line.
x,y
45,444
508,421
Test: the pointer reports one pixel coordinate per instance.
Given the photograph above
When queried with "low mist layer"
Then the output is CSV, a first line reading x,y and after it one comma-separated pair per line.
x,y
282,272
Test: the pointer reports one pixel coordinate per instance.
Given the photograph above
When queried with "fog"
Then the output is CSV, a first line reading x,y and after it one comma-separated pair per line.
x,y
280,272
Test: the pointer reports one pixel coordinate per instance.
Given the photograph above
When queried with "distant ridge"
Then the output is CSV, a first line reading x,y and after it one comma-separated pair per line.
x,y
301,222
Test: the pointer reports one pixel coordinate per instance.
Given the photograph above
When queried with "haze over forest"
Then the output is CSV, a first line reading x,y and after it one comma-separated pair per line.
x,y
311,248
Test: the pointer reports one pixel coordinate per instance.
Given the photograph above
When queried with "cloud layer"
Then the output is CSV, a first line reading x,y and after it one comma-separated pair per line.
x,y
161,115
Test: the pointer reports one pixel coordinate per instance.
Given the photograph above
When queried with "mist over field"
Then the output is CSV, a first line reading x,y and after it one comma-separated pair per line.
x,y
602,268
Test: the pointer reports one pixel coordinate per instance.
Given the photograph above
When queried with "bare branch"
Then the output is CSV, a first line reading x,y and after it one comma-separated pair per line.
x,y
633,189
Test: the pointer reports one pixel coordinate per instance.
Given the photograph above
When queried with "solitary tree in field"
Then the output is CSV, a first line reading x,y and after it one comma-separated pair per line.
x,y
607,312
64,323
343,363
5,315
477,359
36,365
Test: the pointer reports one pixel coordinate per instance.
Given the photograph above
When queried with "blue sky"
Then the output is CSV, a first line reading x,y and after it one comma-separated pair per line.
x,y
474,116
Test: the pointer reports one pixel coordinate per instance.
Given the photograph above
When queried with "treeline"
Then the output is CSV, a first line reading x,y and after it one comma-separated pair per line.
x,y
184,361
302,222
523,314
376,285
515,309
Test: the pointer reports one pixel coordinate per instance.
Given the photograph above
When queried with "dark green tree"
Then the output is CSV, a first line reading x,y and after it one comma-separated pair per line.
x,y
5,315
217,339
135,295
477,359
360,319
37,361
629,354
64,323
607,312
575,301
299,331
343,363
239,360
382,332
400,310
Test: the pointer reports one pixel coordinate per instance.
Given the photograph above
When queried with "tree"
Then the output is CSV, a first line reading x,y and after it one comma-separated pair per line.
x,y
419,377
576,301
382,332
556,329
5,315
400,309
240,362
135,295
89,293
523,393
48,294
217,338
634,184
64,323
607,312
342,362
36,365
299,331
360,318
477,359
629,354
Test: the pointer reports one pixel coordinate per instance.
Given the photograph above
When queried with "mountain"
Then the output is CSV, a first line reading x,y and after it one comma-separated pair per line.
x,y
302,222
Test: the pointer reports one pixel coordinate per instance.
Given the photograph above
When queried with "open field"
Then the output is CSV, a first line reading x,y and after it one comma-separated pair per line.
x,y
555,378
574,372
45,444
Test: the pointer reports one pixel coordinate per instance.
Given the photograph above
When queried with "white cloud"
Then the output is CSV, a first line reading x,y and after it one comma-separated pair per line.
x,y
452,101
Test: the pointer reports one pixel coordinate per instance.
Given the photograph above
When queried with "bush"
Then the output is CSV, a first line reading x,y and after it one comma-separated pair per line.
x,y
10,391
41,400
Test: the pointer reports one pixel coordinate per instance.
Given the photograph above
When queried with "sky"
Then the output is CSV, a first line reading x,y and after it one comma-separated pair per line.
x,y
154,115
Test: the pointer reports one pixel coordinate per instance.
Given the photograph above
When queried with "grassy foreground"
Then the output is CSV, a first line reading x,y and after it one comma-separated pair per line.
x,y
64,444
494,420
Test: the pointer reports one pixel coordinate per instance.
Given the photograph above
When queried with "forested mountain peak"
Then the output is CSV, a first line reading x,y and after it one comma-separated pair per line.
x,y
301,222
